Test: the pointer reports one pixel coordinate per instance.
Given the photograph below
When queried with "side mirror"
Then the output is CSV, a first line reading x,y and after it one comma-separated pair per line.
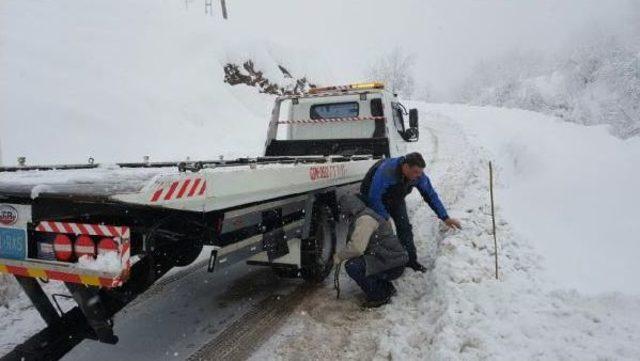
x,y
413,118
411,135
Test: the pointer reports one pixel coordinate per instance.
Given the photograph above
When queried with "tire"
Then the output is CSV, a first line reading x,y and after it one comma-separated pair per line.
x,y
317,251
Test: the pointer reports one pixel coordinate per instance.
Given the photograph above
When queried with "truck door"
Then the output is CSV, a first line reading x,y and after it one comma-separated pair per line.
x,y
398,144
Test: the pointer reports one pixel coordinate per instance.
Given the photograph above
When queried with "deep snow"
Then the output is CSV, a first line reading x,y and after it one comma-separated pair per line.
x,y
458,311
571,190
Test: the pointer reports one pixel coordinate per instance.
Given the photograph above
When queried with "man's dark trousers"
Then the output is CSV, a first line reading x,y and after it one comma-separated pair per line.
x,y
377,287
398,213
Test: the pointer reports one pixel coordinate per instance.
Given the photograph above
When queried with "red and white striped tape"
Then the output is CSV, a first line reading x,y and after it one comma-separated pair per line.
x,y
125,255
184,188
83,228
329,120
313,95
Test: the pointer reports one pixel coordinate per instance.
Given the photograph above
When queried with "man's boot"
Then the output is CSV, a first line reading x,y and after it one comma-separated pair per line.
x,y
376,303
416,266
392,290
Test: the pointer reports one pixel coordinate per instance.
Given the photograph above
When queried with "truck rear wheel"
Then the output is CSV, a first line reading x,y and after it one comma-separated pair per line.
x,y
317,251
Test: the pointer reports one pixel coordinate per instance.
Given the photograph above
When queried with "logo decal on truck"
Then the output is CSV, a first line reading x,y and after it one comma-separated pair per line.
x,y
327,172
8,215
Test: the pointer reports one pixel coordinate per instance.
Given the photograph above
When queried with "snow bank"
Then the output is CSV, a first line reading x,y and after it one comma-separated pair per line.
x,y
571,190
458,311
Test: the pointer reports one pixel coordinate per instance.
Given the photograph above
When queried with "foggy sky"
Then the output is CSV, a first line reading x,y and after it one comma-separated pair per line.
x,y
447,37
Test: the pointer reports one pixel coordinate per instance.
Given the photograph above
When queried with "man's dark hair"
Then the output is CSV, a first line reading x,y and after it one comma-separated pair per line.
x,y
415,160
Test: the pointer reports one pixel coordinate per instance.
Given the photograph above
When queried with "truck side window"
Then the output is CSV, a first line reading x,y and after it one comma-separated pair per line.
x,y
398,119
335,110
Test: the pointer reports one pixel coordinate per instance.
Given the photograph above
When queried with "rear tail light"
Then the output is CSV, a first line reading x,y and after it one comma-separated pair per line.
x,y
84,246
69,248
62,247
107,245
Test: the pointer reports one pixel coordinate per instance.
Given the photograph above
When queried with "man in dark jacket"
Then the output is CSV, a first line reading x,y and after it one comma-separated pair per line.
x,y
386,185
373,254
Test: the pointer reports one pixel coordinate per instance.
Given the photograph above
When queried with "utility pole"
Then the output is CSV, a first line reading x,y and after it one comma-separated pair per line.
x,y
223,4
493,217
208,7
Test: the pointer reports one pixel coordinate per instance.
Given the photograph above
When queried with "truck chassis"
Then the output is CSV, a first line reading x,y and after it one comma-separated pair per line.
x,y
293,234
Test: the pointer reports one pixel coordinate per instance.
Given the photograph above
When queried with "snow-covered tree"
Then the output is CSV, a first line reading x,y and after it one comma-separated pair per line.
x,y
596,81
395,69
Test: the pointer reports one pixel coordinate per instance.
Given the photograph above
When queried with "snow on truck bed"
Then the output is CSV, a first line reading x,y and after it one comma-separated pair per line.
x,y
100,181
229,185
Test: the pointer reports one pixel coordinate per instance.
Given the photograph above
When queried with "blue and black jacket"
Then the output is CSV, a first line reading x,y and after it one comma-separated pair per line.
x,y
384,187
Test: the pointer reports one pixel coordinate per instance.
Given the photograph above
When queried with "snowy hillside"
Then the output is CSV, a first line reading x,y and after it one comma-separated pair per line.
x,y
570,190
567,236
120,80
590,81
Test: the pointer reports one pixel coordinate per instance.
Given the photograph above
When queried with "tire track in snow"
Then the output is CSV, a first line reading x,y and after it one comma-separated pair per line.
x,y
240,339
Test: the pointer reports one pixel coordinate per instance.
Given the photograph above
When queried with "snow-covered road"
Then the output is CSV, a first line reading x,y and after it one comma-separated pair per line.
x,y
458,311
547,304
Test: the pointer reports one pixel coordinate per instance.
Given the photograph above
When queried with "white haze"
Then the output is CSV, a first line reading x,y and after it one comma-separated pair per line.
x,y
71,83
448,37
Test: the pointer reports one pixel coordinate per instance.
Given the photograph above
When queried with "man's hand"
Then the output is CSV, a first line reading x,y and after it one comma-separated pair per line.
x,y
453,223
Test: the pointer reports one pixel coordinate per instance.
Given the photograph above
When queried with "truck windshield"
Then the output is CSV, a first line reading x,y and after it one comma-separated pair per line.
x,y
335,110
305,119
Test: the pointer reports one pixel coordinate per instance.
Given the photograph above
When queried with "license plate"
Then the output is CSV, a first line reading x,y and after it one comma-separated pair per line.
x,y
13,243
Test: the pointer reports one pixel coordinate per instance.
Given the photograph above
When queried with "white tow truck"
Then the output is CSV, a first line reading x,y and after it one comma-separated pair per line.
x,y
109,232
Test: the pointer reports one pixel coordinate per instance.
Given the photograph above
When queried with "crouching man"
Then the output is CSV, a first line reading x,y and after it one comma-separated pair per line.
x,y
373,255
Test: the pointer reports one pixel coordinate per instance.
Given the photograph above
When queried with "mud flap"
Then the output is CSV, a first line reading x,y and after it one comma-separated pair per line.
x,y
89,301
275,244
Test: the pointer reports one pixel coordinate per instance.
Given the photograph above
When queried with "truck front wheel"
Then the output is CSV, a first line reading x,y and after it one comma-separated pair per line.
x,y
317,250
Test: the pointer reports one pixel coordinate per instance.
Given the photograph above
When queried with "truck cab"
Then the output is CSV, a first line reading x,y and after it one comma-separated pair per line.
x,y
356,119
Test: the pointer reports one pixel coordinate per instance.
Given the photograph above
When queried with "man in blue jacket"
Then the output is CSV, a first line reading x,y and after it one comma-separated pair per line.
x,y
386,185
